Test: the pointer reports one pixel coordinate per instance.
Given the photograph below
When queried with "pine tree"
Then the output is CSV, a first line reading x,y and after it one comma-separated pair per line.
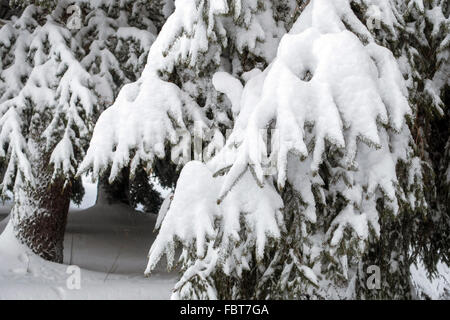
x,y
334,187
54,82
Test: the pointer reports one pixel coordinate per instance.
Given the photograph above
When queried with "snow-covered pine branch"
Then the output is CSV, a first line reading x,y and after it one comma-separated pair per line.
x,y
118,36
339,168
174,96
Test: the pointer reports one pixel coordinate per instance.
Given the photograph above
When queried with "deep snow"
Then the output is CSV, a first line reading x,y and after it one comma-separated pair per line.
x,y
109,242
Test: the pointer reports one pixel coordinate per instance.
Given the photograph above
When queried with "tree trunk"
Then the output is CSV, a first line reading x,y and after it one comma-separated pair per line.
x,y
39,214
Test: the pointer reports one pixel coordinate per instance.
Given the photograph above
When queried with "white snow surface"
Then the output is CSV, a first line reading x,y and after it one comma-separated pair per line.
x,y
108,243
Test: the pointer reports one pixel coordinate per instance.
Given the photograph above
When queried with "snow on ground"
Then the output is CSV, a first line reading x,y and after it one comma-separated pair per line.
x,y
109,242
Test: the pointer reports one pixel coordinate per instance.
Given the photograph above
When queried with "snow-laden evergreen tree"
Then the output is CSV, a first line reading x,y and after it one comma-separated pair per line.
x,y
153,118
418,37
54,80
318,186
426,57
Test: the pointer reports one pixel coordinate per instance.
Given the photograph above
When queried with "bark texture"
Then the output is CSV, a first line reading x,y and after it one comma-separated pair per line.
x,y
40,210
